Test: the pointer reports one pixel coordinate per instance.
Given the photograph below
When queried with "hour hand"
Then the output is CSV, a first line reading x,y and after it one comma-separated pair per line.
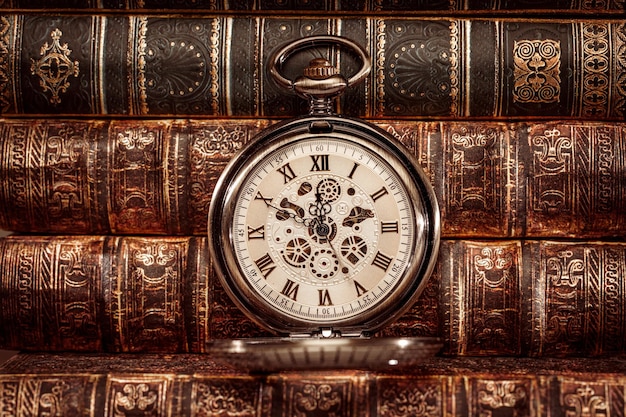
x,y
357,215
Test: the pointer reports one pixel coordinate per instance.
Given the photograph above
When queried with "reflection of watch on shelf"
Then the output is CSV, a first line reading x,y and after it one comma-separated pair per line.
x,y
323,229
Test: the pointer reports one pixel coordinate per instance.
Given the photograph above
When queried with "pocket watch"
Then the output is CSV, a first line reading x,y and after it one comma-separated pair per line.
x,y
323,229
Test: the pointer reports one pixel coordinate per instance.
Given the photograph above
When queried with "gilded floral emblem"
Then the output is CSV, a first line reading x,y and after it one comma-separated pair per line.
x,y
537,71
55,67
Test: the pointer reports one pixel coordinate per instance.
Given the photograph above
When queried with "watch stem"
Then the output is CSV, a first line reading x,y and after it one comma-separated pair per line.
x,y
321,84
320,69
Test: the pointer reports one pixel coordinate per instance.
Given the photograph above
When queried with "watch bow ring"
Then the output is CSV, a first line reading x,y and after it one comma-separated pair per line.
x,y
324,226
321,81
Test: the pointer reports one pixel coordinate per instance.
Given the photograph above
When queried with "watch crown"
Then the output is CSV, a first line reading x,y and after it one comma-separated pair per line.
x,y
320,69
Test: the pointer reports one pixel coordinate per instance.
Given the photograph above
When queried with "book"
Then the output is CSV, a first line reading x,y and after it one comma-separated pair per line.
x,y
133,294
550,179
428,67
325,5
192,385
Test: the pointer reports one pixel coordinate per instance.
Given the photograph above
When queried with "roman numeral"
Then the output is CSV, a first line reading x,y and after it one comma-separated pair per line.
x,y
267,201
382,261
383,191
360,290
287,172
389,227
290,290
353,170
320,162
324,298
256,233
265,265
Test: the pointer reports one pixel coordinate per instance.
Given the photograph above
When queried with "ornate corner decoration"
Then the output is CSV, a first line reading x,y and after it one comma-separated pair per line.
x,y
55,67
537,71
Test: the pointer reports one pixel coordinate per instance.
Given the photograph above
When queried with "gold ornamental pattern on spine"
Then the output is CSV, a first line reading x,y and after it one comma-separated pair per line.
x,y
426,67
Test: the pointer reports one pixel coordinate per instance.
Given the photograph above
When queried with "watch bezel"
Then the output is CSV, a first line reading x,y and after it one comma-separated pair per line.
x,y
224,199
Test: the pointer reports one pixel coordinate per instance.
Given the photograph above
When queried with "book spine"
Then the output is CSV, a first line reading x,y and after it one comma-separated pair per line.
x,y
323,5
166,65
190,385
532,298
552,179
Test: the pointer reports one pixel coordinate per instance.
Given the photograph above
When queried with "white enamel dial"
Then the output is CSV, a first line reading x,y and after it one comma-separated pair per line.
x,y
323,229
323,226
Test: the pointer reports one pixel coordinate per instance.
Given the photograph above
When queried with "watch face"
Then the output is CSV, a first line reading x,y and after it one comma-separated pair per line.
x,y
323,230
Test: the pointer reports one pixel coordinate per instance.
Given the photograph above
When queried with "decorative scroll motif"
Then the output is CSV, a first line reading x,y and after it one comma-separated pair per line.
x,y
585,399
455,70
537,71
317,398
228,398
211,149
619,57
52,402
136,397
381,42
9,395
475,185
46,396
583,298
78,318
552,161
602,5
154,275
137,181
65,151
498,397
158,254
137,52
475,170
55,67
215,66
420,398
596,63
565,276
493,297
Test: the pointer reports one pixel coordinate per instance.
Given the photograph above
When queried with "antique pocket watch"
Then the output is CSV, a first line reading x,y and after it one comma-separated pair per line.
x,y
323,229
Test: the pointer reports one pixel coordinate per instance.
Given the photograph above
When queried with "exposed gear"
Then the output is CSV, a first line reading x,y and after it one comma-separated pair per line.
x,y
324,264
296,252
329,190
354,249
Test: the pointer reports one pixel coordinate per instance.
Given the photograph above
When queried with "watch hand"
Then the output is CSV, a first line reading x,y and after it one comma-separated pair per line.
x,y
344,269
357,215
284,214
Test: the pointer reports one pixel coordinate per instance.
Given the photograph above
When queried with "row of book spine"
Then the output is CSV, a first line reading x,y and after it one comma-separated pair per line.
x,y
422,67
558,179
303,6
118,116
160,294
189,385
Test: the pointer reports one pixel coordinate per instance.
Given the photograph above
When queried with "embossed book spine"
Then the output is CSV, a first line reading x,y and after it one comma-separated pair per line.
x,y
543,179
372,6
427,67
160,294
191,385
